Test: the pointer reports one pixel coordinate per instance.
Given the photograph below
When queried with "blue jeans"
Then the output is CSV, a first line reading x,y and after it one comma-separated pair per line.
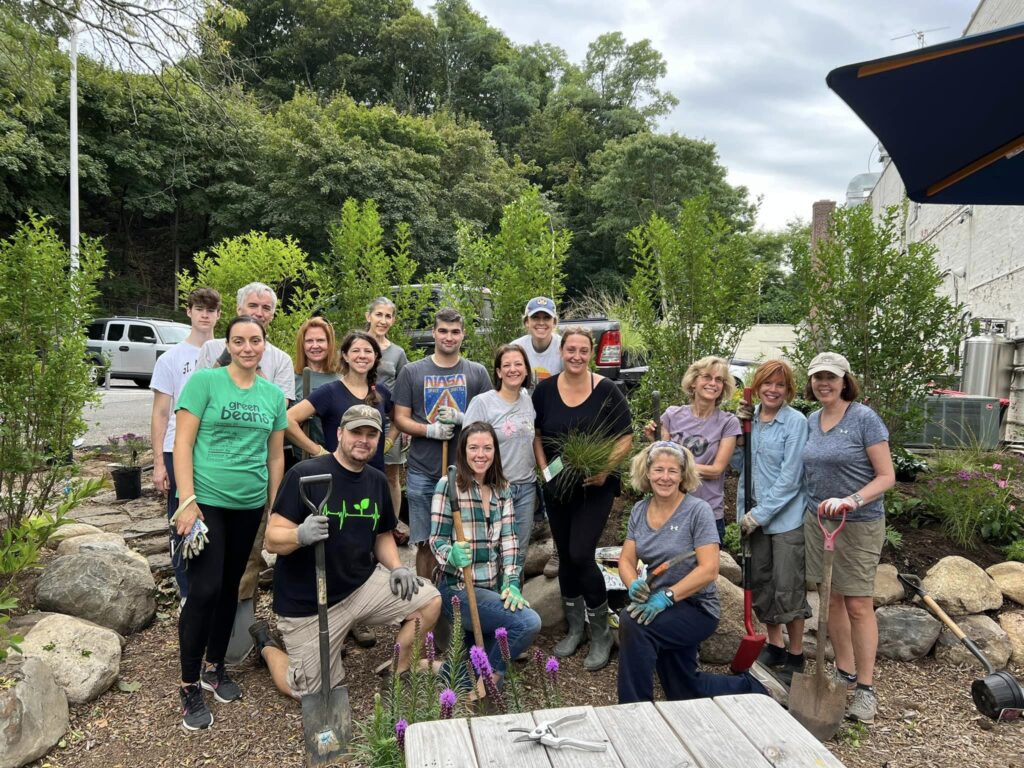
x,y
177,561
524,501
522,625
419,489
669,646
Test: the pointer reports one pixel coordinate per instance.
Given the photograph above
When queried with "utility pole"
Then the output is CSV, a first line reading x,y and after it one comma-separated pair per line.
x,y
73,133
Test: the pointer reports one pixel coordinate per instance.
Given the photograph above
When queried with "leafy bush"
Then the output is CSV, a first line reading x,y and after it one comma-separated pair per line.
x,y
907,465
899,506
893,537
731,542
602,302
975,506
1015,551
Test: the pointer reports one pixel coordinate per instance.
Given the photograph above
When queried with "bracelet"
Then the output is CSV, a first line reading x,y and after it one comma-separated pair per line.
x,y
186,502
859,499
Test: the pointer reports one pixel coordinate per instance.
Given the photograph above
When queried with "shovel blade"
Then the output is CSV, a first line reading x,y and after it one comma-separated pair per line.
x,y
747,653
327,727
818,703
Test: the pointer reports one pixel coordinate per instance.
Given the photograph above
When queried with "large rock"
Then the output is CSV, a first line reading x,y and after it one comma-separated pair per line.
x,y
26,622
721,647
93,542
85,658
728,567
906,633
69,531
537,557
986,634
1009,577
1012,623
546,599
112,589
888,589
961,587
33,711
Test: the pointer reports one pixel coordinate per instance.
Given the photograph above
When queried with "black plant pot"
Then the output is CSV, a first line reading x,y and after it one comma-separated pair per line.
x,y
127,482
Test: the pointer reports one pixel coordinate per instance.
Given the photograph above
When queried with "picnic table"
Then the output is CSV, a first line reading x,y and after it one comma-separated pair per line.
x,y
746,730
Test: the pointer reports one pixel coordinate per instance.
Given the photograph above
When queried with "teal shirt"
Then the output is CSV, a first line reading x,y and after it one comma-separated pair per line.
x,y
229,458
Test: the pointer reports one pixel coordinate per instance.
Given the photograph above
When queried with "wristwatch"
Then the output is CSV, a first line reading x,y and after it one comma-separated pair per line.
x,y
670,594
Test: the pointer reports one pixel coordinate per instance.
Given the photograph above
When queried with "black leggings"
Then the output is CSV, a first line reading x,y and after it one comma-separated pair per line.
x,y
577,522
204,627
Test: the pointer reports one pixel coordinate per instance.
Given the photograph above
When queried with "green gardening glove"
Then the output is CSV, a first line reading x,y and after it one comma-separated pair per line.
x,y
460,555
513,598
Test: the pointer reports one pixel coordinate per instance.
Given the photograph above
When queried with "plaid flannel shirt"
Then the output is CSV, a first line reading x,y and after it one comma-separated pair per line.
x,y
487,534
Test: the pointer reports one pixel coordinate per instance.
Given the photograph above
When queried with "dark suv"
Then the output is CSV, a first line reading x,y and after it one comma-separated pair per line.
x,y
131,345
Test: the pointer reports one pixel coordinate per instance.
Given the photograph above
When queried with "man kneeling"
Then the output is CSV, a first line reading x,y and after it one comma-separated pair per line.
x,y
356,525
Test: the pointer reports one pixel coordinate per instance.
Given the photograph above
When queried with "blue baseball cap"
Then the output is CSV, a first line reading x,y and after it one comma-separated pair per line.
x,y
540,304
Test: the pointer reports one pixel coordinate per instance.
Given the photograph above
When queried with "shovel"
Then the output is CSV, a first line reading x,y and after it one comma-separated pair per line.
x,y
752,642
656,412
998,695
326,716
817,701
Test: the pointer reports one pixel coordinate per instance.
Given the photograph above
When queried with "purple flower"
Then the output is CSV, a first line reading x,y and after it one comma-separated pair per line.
x,y
400,727
963,474
456,605
552,668
997,466
431,650
478,657
501,635
1001,483
447,699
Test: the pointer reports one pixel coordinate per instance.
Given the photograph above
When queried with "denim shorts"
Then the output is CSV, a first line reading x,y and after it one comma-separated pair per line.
x,y
420,492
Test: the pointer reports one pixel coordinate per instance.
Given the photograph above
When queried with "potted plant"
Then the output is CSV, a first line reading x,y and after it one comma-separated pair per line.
x,y
127,472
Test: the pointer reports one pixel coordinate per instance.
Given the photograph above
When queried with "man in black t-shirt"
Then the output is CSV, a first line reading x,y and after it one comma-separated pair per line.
x,y
356,523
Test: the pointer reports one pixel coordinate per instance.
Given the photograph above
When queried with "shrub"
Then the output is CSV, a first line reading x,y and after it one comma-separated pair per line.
x,y
907,465
975,506
1015,551
731,543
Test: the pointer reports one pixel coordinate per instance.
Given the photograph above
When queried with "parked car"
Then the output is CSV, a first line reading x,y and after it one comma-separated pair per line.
x,y
129,346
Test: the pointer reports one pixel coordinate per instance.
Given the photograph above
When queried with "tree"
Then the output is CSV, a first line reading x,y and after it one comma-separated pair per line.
x,y
694,291
780,291
626,76
877,301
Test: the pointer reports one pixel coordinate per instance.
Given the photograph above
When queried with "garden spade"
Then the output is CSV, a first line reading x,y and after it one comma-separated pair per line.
x,y
656,412
817,701
326,716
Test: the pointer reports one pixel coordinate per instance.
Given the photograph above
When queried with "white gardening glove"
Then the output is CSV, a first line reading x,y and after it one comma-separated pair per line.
x,y
748,524
834,507
439,431
447,415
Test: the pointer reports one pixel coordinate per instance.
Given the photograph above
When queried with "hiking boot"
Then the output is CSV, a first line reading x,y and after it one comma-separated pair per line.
x,y
794,663
541,530
600,639
195,715
766,681
845,678
772,656
551,567
575,617
261,638
364,636
223,688
864,706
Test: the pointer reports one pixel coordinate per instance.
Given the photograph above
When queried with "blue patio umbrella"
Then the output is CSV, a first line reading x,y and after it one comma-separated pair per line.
x,y
951,116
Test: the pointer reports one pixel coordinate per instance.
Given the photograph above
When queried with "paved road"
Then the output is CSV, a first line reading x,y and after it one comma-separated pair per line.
x,y
124,408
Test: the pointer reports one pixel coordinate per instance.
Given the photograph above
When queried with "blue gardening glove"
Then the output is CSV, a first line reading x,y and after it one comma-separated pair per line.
x,y
748,524
313,529
513,598
448,415
645,613
639,591
461,554
439,431
404,583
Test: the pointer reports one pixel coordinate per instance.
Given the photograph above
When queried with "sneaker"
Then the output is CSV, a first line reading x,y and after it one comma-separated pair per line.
x,y
794,663
765,682
261,638
216,681
772,656
195,715
845,678
864,706
551,567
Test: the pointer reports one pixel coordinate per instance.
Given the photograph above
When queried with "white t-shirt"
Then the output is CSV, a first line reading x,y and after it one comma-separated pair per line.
x,y
173,368
543,364
276,366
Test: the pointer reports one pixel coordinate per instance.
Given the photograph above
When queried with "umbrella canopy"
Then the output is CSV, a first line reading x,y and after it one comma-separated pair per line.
x,y
951,116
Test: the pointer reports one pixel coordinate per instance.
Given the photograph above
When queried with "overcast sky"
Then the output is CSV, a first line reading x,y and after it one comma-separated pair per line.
x,y
750,80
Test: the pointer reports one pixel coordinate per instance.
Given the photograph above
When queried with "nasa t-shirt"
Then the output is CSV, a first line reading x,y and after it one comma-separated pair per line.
x,y
424,388
701,437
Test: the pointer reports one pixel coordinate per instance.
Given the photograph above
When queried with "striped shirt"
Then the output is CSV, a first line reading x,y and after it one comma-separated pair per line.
x,y
490,533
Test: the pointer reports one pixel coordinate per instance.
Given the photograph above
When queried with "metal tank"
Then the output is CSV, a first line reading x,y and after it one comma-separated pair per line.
x,y
988,365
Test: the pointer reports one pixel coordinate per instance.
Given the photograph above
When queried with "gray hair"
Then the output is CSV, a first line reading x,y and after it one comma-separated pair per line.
x,y
381,300
256,288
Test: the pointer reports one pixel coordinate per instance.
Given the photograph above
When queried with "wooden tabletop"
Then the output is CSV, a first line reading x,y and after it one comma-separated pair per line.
x,y
748,730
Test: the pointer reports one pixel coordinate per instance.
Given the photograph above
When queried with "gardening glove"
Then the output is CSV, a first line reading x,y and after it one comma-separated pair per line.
x,y
513,598
404,583
447,415
645,613
745,412
192,543
388,444
439,431
748,524
639,591
313,529
834,507
460,555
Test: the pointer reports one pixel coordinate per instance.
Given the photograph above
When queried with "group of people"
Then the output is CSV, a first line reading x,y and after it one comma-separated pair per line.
x,y
223,408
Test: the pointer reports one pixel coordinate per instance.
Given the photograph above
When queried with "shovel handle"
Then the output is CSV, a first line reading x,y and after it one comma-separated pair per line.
x,y
830,536
467,572
307,383
656,412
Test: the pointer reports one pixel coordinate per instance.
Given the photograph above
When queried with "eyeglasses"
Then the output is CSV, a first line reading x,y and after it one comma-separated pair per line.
x,y
709,377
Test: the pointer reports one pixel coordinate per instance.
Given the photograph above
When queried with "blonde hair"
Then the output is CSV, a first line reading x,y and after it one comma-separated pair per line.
x,y
641,463
705,365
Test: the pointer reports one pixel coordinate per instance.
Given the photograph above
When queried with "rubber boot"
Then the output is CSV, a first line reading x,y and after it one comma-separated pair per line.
x,y
600,638
575,616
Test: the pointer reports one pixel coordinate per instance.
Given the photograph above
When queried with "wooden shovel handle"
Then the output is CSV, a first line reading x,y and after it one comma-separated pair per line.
x,y
467,572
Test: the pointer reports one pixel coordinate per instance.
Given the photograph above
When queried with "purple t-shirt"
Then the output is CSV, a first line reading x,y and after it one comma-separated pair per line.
x,y
701,437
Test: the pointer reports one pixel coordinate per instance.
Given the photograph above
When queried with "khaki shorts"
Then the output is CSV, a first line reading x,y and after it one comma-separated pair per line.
x,y
858,550
371,604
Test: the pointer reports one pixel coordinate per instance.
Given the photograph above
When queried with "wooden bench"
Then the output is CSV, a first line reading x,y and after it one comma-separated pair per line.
x,y
749,730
